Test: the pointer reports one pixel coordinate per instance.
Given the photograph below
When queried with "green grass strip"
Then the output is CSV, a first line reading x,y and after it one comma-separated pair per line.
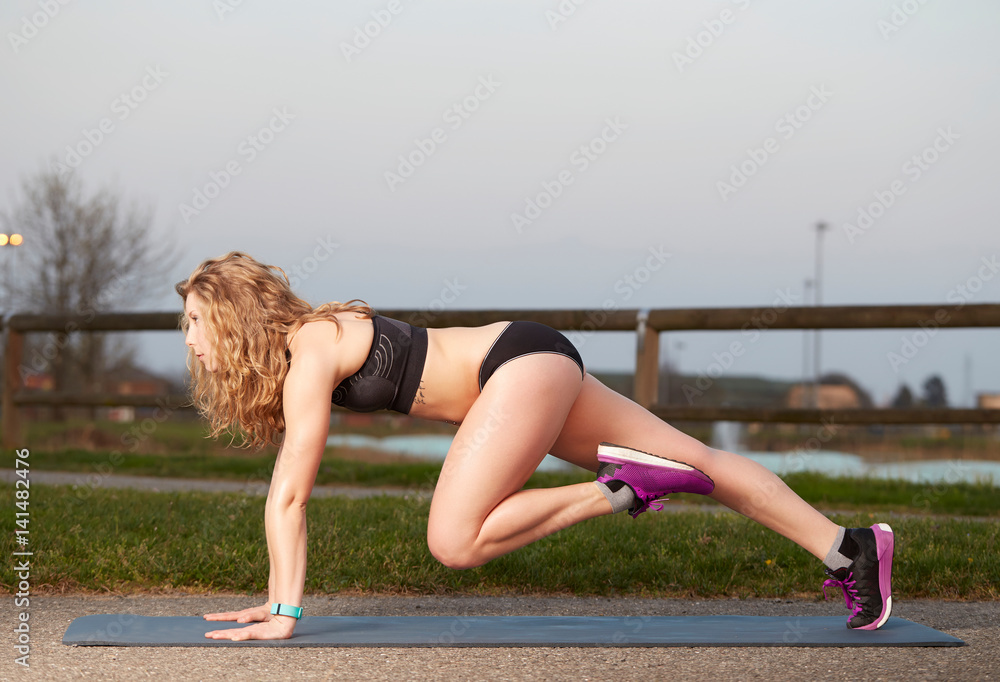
x,y
124,540
245,467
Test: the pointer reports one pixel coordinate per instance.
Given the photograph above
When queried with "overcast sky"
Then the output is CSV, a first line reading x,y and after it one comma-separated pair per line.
x,y
514,154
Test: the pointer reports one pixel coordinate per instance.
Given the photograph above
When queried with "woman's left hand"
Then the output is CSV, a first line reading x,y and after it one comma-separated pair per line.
x,y
269,629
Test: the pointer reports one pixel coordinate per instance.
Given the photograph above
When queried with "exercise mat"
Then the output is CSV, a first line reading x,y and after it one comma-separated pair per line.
x,y
511,631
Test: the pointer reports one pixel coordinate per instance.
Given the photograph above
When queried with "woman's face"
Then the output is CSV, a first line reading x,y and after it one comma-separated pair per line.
x,y
197,334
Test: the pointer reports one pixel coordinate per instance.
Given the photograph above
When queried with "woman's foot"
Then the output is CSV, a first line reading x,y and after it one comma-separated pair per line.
x,y
649,477
867,582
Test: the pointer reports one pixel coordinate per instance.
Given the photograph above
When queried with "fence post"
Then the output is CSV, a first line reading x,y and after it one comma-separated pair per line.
x,y
647,360
14,348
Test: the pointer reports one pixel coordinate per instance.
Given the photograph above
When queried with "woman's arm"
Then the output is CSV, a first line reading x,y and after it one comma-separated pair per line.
x,y
308,386
270,550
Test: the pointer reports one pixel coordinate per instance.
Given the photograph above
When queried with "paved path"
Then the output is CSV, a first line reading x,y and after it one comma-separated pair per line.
x,y
163,484
976,623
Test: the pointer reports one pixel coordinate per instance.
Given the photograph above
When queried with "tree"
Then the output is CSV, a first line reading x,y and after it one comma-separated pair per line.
x,y
904,398
81,255
934,392
841,379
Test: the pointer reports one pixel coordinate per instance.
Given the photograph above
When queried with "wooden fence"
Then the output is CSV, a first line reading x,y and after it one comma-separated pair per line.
x,y
647,325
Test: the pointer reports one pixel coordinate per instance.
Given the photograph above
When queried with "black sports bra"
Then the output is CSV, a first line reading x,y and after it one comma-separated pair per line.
x,y
390,376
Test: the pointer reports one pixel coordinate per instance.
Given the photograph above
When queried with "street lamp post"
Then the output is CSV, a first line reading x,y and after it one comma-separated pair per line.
x,y
821,227
10,424
11,241
807,385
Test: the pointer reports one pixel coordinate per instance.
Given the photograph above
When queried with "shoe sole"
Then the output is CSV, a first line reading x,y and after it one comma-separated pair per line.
x,y
884,547
619,454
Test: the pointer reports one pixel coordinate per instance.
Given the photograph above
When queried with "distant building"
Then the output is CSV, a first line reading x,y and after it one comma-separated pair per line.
x,y
39,382
830,397
988,401
133,381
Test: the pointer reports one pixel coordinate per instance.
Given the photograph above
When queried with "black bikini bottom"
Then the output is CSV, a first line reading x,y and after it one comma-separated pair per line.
x,y
525,338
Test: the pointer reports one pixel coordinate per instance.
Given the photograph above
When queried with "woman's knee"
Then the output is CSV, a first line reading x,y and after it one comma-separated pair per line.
x,y
451,549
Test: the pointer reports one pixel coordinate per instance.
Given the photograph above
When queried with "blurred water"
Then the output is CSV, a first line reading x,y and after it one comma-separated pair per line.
x,y
433,447
836,463
830,462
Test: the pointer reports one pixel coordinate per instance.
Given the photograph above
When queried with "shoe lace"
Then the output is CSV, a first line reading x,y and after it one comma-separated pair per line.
x,y
850,592
640,508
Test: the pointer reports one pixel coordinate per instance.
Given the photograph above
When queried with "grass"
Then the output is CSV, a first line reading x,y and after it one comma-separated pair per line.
x,y
127,541
335,468
871,494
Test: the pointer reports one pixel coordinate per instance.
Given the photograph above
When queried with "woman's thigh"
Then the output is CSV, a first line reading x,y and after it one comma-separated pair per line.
x,y
506,433
600,414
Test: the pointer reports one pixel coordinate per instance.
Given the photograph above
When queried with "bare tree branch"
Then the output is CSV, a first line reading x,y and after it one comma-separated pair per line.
x,y
81,254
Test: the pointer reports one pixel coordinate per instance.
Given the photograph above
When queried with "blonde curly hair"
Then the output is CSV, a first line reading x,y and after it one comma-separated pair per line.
x,y
251,313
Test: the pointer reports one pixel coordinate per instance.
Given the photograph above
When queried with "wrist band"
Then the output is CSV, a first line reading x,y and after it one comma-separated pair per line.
x,y
286,610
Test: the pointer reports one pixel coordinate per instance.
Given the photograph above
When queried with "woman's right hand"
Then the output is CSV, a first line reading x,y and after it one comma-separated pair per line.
x,y
252,615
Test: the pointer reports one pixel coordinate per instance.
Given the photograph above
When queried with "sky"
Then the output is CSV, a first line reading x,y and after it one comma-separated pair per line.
x,y
513,154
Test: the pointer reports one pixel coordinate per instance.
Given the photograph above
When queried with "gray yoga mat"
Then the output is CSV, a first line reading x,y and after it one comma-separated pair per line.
x,y
510,631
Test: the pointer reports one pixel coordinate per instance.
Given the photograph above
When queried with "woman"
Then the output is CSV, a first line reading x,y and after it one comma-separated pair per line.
x,y
265,362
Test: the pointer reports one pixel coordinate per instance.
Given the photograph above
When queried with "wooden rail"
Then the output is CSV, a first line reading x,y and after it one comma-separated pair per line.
x,y
646,323
920,415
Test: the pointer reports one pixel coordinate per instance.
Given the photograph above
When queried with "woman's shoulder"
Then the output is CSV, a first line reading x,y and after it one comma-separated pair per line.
x,y
324,340
325,332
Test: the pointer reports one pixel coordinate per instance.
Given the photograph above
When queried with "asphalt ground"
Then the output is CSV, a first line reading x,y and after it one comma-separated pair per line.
x,y
977,623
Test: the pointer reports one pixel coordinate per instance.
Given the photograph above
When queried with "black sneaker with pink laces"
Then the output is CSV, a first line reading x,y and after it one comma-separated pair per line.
x,y
867,582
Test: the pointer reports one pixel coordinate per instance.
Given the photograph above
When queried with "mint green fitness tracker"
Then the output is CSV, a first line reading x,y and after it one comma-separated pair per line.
x,y
286,610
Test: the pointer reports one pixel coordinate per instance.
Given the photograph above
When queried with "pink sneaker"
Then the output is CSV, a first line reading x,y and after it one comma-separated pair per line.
x,y
867,583
649,476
